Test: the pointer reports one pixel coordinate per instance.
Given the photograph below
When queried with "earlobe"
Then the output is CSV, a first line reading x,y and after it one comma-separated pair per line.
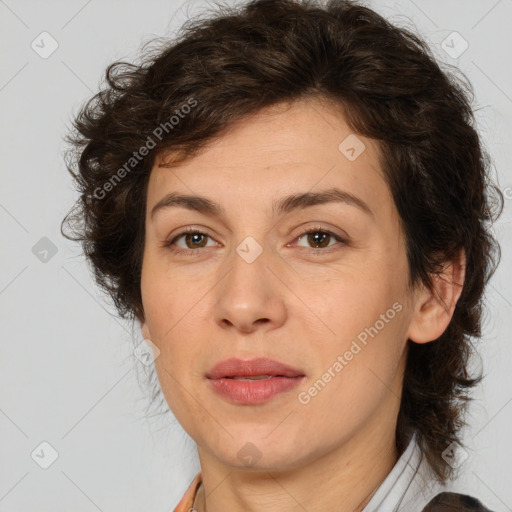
x,y
434,308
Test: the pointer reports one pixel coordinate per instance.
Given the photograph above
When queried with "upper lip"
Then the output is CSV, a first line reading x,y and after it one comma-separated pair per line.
x,y
252,368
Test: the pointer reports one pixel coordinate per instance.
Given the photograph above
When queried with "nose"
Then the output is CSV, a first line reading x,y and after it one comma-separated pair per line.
x,y
250,296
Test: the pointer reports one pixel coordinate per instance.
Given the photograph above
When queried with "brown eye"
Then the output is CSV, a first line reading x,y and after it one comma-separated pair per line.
x,y
188,241
319,239
193,240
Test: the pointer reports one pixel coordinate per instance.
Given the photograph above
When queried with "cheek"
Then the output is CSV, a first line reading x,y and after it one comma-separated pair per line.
x,y
366,335
356,372
349,302
167,298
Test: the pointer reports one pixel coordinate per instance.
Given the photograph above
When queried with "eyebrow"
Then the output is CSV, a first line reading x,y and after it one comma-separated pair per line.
x,y
284,205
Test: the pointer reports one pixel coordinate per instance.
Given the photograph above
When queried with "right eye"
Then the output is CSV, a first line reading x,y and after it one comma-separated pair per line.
x,y
192,238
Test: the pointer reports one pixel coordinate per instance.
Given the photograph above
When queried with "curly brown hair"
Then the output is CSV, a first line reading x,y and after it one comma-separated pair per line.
x,y
219,68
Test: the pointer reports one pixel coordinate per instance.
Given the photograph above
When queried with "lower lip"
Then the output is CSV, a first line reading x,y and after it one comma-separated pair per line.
x,y
255,391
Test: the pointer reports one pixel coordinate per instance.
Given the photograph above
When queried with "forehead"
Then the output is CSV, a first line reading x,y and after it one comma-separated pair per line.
x,y
298,147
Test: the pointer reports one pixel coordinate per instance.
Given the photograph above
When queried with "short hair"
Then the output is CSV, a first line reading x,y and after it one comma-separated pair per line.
x,y
221,68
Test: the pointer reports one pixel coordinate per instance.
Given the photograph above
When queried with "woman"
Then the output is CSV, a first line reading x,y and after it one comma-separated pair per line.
x,y
293,203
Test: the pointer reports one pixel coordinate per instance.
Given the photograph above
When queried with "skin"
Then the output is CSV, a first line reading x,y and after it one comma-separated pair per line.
x,y
290,304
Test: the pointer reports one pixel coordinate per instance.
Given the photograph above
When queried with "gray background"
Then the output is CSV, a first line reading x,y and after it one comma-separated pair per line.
x,y
67,373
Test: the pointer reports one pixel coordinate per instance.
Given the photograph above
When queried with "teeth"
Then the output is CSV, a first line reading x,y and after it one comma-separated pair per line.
x,y
259,377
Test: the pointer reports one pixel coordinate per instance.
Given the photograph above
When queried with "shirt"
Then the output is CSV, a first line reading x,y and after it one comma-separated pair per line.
x,y
407,488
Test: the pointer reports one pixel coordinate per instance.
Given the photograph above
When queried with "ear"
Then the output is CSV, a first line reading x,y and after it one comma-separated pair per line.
x,y
433,309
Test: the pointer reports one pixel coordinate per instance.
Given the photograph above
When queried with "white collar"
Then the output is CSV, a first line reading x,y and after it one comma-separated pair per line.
x,y
408,487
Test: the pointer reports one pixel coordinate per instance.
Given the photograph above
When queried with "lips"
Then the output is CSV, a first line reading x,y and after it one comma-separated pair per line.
x,y
253,382
255,368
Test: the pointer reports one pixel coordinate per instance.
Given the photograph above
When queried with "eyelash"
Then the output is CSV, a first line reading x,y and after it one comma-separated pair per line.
x,y
312,250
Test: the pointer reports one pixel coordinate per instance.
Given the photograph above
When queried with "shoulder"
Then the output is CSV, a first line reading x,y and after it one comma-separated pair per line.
x,y
454,502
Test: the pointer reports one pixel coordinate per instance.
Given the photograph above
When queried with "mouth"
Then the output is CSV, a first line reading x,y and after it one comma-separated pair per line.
x,y
254,369
258,377
252,382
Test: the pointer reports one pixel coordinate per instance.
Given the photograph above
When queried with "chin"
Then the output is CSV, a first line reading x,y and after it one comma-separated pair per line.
x,y
256,450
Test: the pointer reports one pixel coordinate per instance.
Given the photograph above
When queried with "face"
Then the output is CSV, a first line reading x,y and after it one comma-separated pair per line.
x,y
301,261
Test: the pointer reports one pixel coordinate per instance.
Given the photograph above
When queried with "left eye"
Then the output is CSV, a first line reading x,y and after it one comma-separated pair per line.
x,y
319,238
